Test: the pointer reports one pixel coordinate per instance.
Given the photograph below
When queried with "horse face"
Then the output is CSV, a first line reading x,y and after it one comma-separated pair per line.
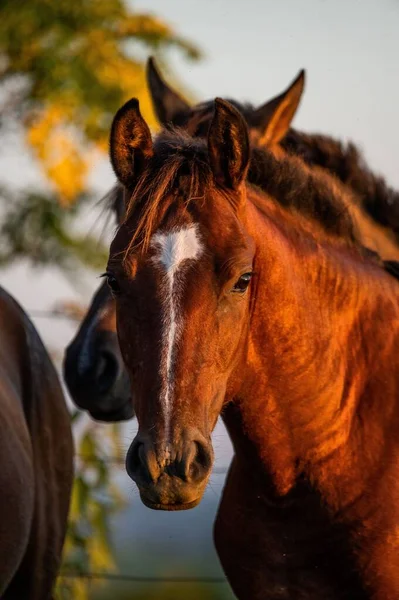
x,y
93,368
183,313
182,301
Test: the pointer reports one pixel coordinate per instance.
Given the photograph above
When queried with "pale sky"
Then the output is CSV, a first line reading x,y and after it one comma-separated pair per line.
x,y
254,48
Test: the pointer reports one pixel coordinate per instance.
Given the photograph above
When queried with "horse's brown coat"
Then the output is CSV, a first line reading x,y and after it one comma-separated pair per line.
x,y
373,204
303,367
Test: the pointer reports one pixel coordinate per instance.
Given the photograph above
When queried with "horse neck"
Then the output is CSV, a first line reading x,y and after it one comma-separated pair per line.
x,y
321,318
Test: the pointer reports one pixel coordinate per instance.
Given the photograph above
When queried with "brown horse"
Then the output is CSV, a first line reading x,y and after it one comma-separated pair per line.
x,y
94,370
36,453
264,307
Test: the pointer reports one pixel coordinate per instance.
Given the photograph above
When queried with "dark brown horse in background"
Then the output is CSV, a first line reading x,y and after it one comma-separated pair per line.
x,y
262,306
270,127
93,369
36,453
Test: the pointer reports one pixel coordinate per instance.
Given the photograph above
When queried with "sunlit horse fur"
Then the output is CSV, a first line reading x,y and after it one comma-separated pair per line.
x,y
262,306
94,370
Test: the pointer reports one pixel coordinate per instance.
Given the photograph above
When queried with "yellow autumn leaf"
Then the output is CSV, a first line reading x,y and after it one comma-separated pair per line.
x,y
62,158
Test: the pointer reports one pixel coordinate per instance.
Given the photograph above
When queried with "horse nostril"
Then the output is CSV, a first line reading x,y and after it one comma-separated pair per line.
x,y
201,462
136,457
141,464
107,371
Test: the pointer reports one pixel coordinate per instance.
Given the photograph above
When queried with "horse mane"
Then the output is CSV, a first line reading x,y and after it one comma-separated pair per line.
x,y
345,161
288,181
379,201
392,267
310,192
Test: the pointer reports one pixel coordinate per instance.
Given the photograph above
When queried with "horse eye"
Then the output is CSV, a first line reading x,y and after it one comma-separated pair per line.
x,y
113,283
242,283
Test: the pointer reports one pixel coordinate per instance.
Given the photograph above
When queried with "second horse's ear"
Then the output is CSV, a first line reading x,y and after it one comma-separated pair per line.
x,y
167,103
228,146
273,119
130,143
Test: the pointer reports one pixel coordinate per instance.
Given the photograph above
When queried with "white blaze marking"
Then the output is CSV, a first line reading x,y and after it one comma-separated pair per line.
x,y
174,248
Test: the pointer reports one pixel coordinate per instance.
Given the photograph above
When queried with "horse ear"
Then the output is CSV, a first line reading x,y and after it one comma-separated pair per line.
x,y
130,143
228,145
273,119
167,103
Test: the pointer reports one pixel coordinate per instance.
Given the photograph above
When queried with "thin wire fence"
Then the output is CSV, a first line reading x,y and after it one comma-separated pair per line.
x,y
53,314
140,579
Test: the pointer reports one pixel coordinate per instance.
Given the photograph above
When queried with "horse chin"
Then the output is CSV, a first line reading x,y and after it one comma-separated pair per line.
x,y
170,507
166,499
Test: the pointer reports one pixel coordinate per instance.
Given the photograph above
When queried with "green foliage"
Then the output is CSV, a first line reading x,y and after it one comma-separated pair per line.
x,y
66,66
95,499
35,225
81,55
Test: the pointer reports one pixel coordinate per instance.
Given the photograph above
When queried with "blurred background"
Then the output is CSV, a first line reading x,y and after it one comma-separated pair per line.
x,y
65,68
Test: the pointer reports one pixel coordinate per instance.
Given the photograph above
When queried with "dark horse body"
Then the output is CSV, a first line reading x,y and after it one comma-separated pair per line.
x,y
36,454
94,370
262,306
